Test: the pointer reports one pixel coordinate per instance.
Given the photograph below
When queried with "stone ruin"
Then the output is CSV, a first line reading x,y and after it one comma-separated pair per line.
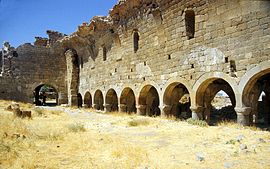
x,y
155,58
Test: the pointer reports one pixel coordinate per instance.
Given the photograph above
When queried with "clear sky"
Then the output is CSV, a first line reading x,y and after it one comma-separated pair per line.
x,y
22,20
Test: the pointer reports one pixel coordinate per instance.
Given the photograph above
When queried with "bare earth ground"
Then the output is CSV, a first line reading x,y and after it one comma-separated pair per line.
x,y
70,138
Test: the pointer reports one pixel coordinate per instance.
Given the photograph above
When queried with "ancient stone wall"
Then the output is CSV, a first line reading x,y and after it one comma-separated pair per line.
x,y
168,57
34,66
230,38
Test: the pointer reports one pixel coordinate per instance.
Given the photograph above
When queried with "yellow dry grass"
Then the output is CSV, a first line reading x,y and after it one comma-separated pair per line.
x,y
91,140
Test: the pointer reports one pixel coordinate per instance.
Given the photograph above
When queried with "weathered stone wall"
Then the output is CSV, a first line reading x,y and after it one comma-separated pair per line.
x,y
231,38
236,31
34,66
148,51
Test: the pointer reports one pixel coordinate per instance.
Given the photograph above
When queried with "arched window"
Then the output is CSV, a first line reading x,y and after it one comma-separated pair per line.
x,y
104,53
190,23
136,38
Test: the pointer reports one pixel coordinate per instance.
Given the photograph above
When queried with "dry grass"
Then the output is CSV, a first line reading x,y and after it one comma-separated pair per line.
x,y
37,111
237,126
55,140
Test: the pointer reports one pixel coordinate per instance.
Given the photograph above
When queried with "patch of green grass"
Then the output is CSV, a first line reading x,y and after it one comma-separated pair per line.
x,y
39,111
232,141
138,122
77,127
200,123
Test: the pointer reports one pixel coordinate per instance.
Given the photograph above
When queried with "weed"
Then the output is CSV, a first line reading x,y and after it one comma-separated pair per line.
x,y
39,111
77,127
138,122
200,123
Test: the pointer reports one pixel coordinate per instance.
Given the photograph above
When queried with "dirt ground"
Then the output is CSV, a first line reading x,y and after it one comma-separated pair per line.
x,y
58,137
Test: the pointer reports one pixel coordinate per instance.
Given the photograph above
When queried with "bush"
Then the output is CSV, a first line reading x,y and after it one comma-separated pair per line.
x,y
77,127
200,123
138,122
39,111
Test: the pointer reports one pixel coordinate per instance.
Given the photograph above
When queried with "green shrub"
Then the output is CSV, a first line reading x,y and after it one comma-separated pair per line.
x,y
138,122
39,111
200,123
77,127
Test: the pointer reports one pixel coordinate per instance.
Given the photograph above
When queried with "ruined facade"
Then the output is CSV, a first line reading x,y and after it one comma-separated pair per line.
x,y
156,57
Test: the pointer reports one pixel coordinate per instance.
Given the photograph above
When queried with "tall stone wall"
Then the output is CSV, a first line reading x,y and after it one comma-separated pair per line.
x,y
34,66
147,51
230,37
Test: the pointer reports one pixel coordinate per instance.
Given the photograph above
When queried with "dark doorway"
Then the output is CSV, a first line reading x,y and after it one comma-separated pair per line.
x,y
79,98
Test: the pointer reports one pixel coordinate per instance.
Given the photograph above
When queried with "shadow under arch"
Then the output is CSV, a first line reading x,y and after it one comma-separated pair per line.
x,y
111,101
176,100
87,101
255,90
98,100
128,101
206,92
149,101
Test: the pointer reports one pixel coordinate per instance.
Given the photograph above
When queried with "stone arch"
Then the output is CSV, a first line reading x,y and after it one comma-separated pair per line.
x,y
206,89
128,101
43,92
250,78
98,100
255,82
210,77
183,81
111,101
73,72
87,100
146,83
176,101
149,101
79,100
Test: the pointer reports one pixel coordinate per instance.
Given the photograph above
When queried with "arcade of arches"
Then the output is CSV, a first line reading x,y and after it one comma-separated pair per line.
x,y
177,100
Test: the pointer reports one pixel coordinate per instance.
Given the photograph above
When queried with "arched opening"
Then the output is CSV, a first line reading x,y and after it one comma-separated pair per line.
x,y
136,38
177,101
79,98
190,23
104,51
211,96
149,100
127,101
222,108
45,95
111,101
98,100
257,96
87,100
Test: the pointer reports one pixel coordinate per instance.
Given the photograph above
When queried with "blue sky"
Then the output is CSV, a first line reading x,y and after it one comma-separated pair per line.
x,y
22,20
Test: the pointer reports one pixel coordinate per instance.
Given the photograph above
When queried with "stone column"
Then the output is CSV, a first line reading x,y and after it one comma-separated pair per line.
x,y
107,107
197,112
141,109
122,108
62,98
95,106
243,114
165,110
74,100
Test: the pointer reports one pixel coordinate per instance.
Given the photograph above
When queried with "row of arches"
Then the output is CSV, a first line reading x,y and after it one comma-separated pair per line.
x,y
213,99
176,100
246,101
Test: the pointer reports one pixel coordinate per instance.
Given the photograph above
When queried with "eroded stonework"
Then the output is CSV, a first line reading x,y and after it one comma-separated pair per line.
x,y
148,55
